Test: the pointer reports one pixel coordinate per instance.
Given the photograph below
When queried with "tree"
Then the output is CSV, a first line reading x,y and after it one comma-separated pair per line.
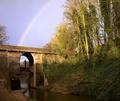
x,y
3,36
87,26
111,17
116,17
82,16
63,41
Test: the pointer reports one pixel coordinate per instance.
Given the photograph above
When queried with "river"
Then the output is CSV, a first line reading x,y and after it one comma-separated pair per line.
x,y
41,95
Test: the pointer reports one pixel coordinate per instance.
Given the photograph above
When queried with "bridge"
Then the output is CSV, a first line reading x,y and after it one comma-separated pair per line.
x,y
10,62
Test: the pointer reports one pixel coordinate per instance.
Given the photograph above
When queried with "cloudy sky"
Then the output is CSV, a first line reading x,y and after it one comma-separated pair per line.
x,y
31,22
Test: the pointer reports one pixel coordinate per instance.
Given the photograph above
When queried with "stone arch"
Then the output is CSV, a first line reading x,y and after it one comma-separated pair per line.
x,y
30,69
10,62
29,56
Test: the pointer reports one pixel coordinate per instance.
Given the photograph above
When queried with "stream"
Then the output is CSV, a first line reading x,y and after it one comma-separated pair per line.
x,y
41,95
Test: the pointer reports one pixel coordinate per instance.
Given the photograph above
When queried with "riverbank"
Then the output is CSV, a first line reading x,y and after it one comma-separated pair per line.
x,y
10,95
98,78
6,95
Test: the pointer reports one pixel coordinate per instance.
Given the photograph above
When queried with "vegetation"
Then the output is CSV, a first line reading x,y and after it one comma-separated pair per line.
x,y
89,39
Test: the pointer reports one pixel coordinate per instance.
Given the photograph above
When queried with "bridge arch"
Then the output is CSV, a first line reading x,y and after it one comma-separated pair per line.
x,y
30,58
10,62
28,68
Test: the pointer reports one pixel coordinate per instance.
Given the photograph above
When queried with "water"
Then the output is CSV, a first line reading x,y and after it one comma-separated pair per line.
x,y
41,95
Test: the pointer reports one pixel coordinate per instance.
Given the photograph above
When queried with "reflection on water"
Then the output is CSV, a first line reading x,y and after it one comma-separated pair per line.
x,y
41,95
25,87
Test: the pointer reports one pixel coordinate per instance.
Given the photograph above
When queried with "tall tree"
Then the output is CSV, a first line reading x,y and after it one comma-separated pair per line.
x,y
82,15
115,6
88,24
63,41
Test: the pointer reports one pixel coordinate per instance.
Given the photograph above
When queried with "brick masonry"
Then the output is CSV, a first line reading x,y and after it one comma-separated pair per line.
x,y
10,61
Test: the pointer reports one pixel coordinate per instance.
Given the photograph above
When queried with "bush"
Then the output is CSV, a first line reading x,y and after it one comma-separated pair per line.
x,y
101,71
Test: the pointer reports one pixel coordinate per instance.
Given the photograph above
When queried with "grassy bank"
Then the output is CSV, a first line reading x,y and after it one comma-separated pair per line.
x,y
98,76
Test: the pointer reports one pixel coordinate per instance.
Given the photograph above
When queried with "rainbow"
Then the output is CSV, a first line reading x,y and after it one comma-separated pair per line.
x,y
30,25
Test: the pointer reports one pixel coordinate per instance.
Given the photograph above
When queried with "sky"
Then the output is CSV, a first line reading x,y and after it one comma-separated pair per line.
x,y
31,23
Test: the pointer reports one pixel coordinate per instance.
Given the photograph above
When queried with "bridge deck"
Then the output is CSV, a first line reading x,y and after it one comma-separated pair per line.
x,y
11,48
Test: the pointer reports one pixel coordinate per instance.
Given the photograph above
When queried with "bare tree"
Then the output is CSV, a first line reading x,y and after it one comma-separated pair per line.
x,y
3,36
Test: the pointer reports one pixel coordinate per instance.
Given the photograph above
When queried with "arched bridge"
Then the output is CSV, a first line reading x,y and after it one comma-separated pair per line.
x,y
10,61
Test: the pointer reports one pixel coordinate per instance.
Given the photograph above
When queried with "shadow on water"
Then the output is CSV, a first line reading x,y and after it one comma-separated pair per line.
x,y
41,95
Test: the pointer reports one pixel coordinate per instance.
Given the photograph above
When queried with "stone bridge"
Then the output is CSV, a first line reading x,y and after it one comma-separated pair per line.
x,y
10,62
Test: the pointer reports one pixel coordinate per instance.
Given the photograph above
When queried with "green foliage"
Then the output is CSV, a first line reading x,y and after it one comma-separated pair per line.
x,y
80,31
105,10
99,75
62,43
78,39
114,52
58,71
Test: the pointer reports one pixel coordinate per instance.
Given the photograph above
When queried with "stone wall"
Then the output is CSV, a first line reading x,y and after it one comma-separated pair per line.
x,y
10,62
3,60
14,63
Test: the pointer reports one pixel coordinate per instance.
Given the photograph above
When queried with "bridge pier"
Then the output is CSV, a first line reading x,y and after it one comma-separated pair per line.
x,y
34,76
